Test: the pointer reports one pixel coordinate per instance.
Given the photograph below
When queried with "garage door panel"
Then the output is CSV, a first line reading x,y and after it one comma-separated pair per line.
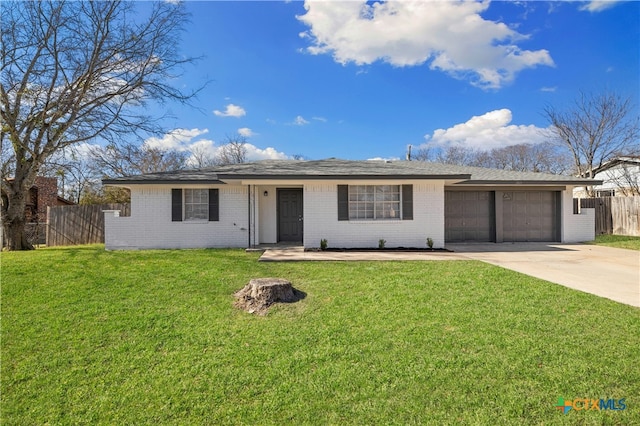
x,y
530,216
469,216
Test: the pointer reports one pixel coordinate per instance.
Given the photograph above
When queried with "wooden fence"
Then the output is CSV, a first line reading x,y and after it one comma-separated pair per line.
x,y
72,225
615,215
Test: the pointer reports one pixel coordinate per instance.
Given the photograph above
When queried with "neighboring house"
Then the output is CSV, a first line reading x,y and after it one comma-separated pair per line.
x,y
620,178
348,203
43,194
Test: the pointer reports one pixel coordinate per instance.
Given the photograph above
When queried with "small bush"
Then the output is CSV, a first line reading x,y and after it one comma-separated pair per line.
x,y
381,243
430,242
323,244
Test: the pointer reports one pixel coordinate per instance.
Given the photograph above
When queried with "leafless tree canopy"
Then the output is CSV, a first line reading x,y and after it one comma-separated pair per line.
x,y
596,128
233,151
545,158
74,71
129,159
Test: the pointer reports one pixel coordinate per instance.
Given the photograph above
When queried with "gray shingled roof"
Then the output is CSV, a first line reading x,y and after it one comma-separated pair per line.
x,y
346,169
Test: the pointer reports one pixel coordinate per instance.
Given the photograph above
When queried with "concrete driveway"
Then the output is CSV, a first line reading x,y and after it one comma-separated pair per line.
x,y
604,271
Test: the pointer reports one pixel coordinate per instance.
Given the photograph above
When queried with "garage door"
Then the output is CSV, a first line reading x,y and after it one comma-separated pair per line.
x,y
469,216
530,216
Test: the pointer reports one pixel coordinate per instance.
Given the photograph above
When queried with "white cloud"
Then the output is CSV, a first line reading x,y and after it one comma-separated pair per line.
x,y
187,140
299,121
211,150
246,132
254,153
385,159
176,139
488,131
321,119
549,89
598,6
231,111
450,36
82,151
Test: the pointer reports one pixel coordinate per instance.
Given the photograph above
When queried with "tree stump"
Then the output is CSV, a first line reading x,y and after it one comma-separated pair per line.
x,y
261,293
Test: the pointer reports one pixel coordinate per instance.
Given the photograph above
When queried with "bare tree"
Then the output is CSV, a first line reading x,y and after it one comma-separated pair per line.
x,y
233,151
201,157
544,157
594,129
423,153
129,159
458,155
75,71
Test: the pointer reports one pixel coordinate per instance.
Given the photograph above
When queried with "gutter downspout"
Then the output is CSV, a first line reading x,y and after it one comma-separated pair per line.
x,y
249,215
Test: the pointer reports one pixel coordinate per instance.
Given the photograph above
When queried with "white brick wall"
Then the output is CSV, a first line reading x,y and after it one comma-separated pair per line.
x,y
150,224
321,219
576,228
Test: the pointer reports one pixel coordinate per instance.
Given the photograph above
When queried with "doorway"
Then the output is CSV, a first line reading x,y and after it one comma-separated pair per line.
x,y
290,215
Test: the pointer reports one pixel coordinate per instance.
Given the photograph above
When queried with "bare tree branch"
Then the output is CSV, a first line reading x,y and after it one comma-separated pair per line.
x,y
74,71
596,128
233,151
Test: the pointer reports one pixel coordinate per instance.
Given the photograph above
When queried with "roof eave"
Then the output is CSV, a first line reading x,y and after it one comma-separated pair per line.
x,y
589,182
123,182
344,177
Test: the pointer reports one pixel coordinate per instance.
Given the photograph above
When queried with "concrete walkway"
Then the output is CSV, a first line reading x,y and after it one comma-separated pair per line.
x,y
292,254
603,271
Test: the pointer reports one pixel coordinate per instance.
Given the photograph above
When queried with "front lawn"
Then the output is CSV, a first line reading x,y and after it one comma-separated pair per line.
x,y
620,241
151,337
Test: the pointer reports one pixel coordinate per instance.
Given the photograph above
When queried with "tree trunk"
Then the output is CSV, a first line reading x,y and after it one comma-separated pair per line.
x,y
16,236
13,217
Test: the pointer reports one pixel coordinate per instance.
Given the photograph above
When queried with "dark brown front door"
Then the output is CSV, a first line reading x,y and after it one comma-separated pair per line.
x,y
290,220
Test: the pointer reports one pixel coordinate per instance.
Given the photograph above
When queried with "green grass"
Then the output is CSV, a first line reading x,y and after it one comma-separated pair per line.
x,y
151,337
620,241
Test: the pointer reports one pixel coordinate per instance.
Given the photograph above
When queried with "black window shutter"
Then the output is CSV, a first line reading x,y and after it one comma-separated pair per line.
x,y
214,205
407,202
176,205
343,202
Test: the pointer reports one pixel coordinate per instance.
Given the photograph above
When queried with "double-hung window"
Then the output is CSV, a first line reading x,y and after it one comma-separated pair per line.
x,y
196,204
375,202
190,204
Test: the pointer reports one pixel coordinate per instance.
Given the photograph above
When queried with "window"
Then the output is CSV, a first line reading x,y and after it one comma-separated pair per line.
x,y
196,204
374,202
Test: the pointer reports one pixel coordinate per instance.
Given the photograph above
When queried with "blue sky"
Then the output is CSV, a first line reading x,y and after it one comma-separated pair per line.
x,y
360,80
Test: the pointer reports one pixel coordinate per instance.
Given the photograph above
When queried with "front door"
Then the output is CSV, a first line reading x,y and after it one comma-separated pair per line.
x,y
290,215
